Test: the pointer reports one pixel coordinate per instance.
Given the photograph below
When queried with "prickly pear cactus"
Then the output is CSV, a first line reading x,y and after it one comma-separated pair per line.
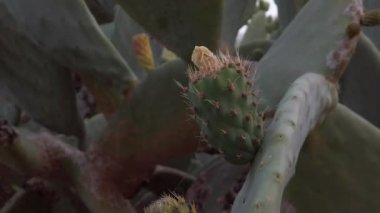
x,y
223,103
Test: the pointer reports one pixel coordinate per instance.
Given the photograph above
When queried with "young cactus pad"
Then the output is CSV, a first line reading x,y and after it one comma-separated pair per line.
x,y
224,104
170,204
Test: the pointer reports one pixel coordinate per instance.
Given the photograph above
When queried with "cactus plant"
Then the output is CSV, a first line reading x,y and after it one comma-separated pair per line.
x,y
83,128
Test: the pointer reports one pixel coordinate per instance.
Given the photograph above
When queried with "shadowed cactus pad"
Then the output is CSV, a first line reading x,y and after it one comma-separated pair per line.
x,y
224,104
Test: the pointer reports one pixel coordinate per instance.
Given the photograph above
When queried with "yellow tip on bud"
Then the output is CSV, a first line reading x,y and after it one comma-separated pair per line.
x,y
143,51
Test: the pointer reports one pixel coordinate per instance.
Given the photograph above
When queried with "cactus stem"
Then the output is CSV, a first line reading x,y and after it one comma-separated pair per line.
x,y
279,161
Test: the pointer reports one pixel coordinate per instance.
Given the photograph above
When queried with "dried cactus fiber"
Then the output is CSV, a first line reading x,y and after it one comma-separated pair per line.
x,y
171,204
224,104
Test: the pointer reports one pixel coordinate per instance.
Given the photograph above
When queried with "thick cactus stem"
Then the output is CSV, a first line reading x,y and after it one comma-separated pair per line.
x,y
305,104
224,105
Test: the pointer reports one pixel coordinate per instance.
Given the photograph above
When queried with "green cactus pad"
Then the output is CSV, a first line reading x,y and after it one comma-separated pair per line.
x,y
223,103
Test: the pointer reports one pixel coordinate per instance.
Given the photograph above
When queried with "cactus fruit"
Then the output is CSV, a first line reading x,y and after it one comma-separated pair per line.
x,y
171,204
224,102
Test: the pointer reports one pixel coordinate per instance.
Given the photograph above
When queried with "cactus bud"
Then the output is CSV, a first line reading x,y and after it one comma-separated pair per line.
x,y
143,51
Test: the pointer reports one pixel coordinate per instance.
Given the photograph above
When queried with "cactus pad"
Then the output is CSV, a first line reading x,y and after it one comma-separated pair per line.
x,y
223,103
